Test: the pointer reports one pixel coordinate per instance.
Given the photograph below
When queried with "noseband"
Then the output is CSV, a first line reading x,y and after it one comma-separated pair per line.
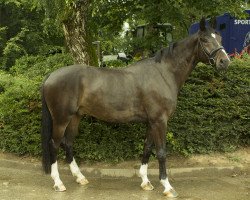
x,y
210,55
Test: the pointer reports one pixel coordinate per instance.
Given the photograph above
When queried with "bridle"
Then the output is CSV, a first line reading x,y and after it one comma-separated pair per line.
x,y
210,55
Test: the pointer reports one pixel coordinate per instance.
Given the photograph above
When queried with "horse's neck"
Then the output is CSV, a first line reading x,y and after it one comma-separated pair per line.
x,y
184,59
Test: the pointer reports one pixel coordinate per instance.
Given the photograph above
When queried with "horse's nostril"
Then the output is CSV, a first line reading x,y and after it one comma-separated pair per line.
x,y
223,63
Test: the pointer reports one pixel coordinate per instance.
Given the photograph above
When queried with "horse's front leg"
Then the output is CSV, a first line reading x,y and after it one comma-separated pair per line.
x,y
148,145
159,138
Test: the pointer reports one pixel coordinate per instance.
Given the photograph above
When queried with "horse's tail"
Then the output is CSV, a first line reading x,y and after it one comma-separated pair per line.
x,y
46,135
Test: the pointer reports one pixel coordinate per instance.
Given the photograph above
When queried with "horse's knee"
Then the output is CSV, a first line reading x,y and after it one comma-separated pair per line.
x,y
146,153
53,150
161,154
68,148
69,154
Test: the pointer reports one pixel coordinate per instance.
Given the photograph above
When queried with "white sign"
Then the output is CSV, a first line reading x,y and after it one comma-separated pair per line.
x,y
242,21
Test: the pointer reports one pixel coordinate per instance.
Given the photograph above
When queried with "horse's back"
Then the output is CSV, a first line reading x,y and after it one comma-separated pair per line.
x,y
64,72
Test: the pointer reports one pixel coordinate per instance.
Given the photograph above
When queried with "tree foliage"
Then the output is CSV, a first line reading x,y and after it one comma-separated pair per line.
x,y
109,16
103,19
178,12
22,32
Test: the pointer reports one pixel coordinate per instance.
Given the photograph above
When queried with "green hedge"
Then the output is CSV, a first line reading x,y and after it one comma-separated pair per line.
x,y
214,110
212,114
19,115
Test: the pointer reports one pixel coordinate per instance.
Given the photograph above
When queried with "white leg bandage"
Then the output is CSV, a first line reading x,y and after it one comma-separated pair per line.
x,y
55,176
144,173
166,184
146,185
77,173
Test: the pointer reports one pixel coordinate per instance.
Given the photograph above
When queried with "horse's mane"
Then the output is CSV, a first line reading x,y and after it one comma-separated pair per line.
x,y
164,52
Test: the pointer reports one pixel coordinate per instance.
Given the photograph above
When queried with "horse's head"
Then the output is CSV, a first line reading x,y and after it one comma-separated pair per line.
x,y
210,50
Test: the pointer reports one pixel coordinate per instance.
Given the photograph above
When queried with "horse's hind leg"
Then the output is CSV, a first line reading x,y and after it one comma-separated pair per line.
x,y
57,136
71,132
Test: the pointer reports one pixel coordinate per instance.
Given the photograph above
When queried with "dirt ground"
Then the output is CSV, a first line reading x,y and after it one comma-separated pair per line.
x,y
25,185
20,181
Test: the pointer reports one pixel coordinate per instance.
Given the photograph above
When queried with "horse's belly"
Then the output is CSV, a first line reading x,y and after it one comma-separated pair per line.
x,y
113,112
113,115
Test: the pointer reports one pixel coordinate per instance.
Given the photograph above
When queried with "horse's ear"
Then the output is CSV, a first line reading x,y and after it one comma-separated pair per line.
x,y
203,24
213,23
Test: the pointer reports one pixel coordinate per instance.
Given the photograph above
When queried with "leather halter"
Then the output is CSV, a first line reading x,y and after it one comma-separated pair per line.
x,y
210,55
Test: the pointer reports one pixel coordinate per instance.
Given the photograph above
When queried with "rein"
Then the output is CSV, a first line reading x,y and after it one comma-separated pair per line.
x,y
212,54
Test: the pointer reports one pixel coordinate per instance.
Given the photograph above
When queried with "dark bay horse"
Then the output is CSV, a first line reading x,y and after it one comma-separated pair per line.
x,y
145,92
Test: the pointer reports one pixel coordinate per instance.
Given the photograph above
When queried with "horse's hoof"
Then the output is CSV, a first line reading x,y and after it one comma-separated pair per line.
x,y
147,186
82,181
59,188
171,193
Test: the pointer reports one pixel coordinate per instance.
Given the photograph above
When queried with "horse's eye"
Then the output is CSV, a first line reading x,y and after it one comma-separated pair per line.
x,y
204,39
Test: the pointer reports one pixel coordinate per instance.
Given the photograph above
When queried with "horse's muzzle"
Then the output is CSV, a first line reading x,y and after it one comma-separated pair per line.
x,y
223,64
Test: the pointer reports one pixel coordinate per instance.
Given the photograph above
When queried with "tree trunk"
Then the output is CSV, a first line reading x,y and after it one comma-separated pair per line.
x,y
78,35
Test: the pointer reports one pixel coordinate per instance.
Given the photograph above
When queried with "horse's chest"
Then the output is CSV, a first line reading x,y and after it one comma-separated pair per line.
x,y
160,103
